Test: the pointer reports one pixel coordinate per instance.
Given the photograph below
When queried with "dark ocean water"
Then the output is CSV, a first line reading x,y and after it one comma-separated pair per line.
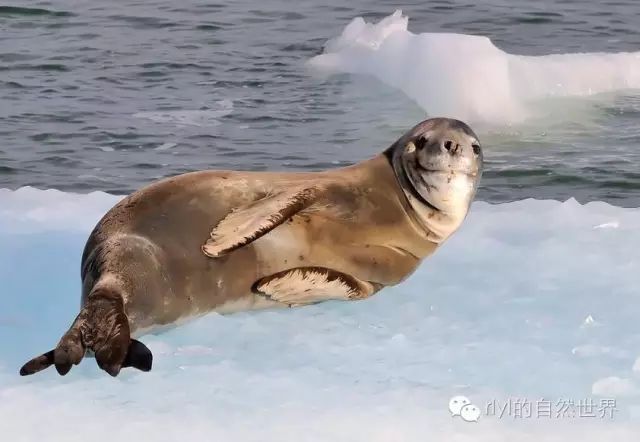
x,y
111,95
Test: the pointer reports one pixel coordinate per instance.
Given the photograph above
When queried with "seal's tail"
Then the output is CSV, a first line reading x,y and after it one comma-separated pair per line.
x,y
101,327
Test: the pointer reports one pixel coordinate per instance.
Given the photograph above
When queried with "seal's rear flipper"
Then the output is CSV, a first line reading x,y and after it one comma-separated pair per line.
x,y
101,327
138,356
69,351
37,364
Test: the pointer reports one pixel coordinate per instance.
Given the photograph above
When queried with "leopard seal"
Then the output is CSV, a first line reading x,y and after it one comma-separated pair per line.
x,y
225,241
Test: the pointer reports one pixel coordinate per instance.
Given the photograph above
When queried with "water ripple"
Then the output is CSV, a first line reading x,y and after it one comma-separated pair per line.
x,y
153,88
16,11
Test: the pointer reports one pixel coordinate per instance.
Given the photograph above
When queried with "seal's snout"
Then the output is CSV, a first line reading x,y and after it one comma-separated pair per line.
x,y
443,144
451,146
446,141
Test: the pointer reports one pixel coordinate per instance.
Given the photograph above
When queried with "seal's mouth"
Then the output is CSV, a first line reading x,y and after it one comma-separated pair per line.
x,y
450,171
430,185
413,182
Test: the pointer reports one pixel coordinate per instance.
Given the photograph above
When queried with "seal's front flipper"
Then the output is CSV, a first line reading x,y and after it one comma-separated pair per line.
x,y
308,285
103,328
248,223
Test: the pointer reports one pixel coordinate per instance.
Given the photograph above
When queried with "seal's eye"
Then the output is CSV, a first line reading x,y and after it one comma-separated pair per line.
x,y
476,149
421,142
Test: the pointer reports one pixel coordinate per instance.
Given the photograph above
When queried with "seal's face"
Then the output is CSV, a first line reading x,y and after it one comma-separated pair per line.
x,y
439,162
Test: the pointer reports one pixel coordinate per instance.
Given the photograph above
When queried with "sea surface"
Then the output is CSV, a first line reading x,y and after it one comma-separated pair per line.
x,y
112,95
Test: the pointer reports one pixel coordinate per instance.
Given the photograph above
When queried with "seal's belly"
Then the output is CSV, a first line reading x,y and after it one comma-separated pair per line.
x,y
309,242
286,247
247,302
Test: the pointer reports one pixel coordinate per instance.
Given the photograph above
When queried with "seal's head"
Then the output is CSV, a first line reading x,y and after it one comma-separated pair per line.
x,y
438,164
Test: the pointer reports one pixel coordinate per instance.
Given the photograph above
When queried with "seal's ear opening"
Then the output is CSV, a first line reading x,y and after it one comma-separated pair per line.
x,y
138,356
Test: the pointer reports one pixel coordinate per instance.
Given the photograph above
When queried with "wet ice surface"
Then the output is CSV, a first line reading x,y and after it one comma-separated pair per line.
x,y
468,76
529,300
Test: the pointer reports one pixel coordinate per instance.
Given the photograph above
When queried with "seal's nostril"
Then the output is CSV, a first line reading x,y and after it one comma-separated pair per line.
x,y
448,144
